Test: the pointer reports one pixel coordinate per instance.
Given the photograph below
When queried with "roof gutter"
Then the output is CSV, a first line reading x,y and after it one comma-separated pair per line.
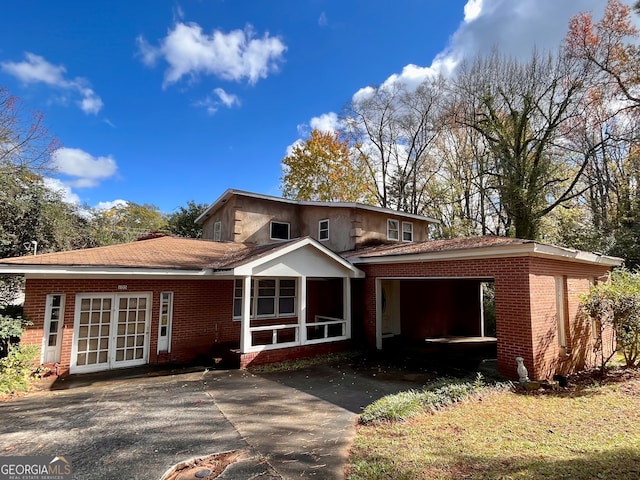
x,y
523,250
62,271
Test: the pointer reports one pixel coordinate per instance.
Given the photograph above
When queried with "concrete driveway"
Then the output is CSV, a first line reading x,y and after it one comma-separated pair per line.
x,y
286,425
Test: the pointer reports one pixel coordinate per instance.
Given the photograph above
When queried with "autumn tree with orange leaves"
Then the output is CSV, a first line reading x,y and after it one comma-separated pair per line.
x,y
607,47
323,168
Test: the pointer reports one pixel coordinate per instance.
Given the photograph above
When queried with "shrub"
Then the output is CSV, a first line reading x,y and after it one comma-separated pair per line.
x,y
403,405
10,331
616,304
18,368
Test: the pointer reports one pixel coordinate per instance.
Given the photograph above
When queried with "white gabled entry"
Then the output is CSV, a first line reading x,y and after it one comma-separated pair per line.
x,y
299,260
110,331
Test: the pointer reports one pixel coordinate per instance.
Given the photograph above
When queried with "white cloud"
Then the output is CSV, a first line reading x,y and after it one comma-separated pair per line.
x,y
36,69
472,10
327,122
111,204
323,21
91,103
234,56
64,190
228,99
86,168
212,104
515,28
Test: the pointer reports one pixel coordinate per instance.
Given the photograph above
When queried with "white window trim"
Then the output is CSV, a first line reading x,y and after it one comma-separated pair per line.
x,y
561,315
217,231
410,224
390,221
47,323
320,230
281,223
254,299
169,321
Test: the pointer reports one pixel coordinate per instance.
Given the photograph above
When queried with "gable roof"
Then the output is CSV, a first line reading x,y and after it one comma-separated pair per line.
x,y
229,193
473,247
166,256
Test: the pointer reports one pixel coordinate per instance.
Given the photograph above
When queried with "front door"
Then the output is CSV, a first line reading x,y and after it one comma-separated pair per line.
x,y
54,317
390,308
111,331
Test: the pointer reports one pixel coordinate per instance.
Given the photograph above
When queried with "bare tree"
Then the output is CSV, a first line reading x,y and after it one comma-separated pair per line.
x,y
393,127
523,110
24,140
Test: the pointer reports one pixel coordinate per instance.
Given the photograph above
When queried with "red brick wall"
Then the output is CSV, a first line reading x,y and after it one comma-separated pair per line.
x,y
202,311
438,308
525,306
284,354
576,280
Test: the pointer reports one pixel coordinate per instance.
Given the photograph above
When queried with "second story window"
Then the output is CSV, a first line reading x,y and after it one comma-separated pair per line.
x,y
393,230
280,231
407,232
323,230
217,231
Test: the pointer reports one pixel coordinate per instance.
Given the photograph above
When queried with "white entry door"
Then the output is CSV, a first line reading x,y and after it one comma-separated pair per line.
x,y
110,331
390,307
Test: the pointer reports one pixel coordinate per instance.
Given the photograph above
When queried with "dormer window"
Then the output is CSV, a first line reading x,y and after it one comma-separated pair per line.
x,y
407,232
323,230
393,230
280,231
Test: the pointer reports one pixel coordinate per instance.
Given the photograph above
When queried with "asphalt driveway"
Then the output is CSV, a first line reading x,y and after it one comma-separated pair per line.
x,y
286,425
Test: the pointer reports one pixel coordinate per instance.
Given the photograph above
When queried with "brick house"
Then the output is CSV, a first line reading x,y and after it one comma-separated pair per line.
x,y
277,279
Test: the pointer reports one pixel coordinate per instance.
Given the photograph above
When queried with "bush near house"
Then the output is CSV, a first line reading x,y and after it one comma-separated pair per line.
x,y
18,363
617,304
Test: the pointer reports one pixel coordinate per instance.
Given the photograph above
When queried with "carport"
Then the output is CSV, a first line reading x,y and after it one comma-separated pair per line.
x,y
430,294
433,320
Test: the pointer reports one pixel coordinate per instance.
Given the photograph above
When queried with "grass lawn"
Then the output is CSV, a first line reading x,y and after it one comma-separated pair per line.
x,y
589,431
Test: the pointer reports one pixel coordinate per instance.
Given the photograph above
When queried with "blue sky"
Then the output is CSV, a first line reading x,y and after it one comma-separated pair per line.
x,y
164,102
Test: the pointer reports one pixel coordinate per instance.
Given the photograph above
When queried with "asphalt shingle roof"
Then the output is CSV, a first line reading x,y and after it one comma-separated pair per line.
x,y
432,246
163,252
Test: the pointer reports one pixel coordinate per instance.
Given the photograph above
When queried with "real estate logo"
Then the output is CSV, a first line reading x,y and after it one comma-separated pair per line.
x,y
35,468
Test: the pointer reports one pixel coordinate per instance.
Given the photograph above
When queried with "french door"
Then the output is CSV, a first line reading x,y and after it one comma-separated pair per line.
x,y
110,331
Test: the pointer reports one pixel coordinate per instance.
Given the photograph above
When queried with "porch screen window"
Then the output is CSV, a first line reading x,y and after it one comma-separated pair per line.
x,y
280,231
323,230
276,297
407,232
393,230
266,298
287,297
217,231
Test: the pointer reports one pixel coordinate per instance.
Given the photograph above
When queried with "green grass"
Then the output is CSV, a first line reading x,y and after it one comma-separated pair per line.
x,y
590,432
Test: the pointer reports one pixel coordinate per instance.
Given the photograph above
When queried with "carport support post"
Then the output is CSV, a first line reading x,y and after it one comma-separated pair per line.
x,y
346,304
245,330
302,310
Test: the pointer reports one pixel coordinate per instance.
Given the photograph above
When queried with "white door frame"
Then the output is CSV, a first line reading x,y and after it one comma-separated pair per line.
x,y
51,353
113,334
